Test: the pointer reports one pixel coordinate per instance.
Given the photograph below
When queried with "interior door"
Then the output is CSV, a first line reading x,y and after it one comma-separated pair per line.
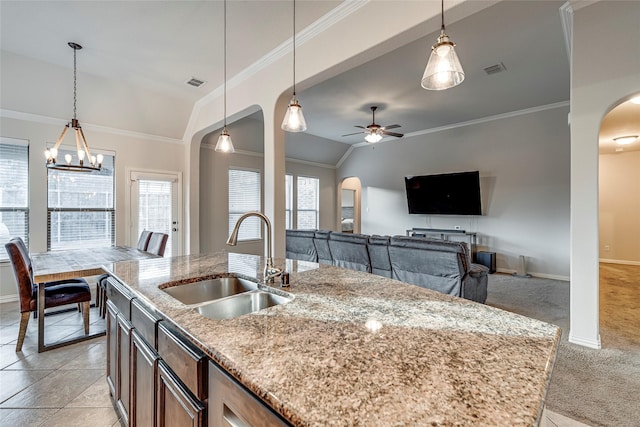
x,y
155,202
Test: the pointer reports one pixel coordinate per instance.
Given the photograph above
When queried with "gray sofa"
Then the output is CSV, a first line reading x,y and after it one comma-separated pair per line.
x,y
434,264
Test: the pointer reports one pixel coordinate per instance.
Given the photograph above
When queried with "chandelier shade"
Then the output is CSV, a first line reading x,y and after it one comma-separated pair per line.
x,y
224,144
443,70
92,163
294,118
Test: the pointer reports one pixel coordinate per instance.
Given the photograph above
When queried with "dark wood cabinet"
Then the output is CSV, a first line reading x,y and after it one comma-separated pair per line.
x,y
176,405
112,348
144,374
230,404
123,399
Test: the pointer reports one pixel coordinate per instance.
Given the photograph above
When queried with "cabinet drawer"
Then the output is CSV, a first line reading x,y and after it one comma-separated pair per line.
x,y
120,297
231,405
145,322
187,361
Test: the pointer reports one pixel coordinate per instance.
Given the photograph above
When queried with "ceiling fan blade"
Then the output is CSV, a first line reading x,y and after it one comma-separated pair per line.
x,y
397,135
361,127
391,127
349,134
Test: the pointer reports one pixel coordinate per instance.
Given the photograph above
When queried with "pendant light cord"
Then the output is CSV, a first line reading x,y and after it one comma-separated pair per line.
x,y
442,15
294,48
225,64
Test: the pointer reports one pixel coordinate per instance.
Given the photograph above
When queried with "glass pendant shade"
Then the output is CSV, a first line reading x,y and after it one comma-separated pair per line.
x,y
294,119
373,137
224,144
443,69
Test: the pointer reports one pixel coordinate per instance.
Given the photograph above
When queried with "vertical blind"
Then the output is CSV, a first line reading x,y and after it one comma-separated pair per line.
x,y
244,196
155,208
288,195
14,192
308,202
81,208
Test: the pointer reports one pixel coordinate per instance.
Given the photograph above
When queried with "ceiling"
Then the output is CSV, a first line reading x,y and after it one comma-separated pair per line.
x,y
155,46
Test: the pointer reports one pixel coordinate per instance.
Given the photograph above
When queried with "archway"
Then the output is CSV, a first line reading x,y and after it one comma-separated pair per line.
x,y
619,228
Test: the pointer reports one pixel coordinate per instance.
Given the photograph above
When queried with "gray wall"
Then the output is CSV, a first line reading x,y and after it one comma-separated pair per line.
x,y
214,187
524,169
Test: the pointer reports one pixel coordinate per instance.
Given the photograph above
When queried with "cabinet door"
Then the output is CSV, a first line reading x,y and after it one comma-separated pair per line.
x,y
176,405
144,367
124,367
112,348
231,405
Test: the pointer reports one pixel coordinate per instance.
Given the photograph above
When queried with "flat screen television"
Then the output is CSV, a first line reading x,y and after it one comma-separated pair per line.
x,y
444,194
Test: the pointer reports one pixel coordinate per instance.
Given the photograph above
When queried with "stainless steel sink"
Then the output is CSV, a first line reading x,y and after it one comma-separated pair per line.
x,y
211,289
241,304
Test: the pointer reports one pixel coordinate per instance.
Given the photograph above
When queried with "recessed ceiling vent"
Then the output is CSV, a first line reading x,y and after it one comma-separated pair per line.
x,y
195,82
494,69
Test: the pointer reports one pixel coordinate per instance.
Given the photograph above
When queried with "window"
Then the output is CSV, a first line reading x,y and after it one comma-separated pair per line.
x,y
308,190
288,195
81,209
156,200
14,191
244,196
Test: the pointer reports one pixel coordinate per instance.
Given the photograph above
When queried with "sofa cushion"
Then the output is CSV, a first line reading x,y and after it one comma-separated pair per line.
x,y
321,242
350,251
378,247
300,246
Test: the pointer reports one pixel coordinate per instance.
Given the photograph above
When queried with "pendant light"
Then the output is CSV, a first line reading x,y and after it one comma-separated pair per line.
x,y
94,163
443,69
224,144
294,119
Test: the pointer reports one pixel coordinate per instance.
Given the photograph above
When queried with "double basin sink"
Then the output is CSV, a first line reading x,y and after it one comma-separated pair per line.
x,y
225,297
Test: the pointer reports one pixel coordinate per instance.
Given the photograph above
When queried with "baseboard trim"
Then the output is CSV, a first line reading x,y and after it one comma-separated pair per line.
x,y
538,275
8,298
595,344
619,261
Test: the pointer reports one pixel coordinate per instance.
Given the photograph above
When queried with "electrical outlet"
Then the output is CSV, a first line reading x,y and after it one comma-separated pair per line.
x,y
607,248
457,227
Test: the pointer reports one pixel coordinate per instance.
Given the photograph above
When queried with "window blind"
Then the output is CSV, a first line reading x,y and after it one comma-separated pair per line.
x,y
14,191
81,208
308,202
244,196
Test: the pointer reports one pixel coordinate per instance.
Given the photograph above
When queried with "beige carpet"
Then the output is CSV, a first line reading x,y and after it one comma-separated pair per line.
x,y
597,387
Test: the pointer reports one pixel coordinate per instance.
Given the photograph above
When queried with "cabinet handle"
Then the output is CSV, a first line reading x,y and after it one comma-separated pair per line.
x,y
231,419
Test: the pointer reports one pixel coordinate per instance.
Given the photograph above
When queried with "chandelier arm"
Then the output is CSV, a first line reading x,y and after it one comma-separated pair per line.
x,y
78,144
83,140
62,135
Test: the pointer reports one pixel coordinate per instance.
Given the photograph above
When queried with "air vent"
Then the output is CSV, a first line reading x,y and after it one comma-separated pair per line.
x,y
195,82
498,68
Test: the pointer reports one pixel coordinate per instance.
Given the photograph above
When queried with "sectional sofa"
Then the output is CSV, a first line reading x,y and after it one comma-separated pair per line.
x,y
434,264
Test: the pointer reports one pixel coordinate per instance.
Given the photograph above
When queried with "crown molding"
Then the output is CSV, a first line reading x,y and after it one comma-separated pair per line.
x,y
566,17
345,156
18,115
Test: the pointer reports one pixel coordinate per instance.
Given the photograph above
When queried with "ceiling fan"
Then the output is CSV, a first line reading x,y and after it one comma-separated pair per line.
x,y
374,132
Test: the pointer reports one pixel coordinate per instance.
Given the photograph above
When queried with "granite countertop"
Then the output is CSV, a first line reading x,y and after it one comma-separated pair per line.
x,y
358,349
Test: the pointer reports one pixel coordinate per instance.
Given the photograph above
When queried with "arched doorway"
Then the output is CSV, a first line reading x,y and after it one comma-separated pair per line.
x,y
619,226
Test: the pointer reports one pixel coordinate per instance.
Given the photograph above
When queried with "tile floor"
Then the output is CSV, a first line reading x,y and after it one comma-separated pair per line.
x,y
61,387
67,386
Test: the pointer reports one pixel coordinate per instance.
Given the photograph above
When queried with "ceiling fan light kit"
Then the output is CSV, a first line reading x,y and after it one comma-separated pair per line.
x,y
224,144
294,119
443,70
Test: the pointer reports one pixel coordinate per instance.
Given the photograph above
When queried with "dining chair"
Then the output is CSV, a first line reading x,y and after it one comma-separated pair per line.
x,y
57,293
157,243
101,282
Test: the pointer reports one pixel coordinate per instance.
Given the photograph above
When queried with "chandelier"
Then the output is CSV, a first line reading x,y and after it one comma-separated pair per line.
x,y
92,163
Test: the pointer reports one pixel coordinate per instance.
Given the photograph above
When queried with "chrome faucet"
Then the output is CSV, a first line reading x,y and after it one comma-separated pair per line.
x,y
270,272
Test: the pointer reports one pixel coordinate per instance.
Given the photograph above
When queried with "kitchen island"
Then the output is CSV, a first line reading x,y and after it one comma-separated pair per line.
x,y
353,348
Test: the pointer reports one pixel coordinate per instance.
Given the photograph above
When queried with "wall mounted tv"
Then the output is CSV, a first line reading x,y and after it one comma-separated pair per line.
x,y
444,194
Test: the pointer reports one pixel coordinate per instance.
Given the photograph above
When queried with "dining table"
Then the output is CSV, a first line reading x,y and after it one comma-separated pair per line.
x,y
74,263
